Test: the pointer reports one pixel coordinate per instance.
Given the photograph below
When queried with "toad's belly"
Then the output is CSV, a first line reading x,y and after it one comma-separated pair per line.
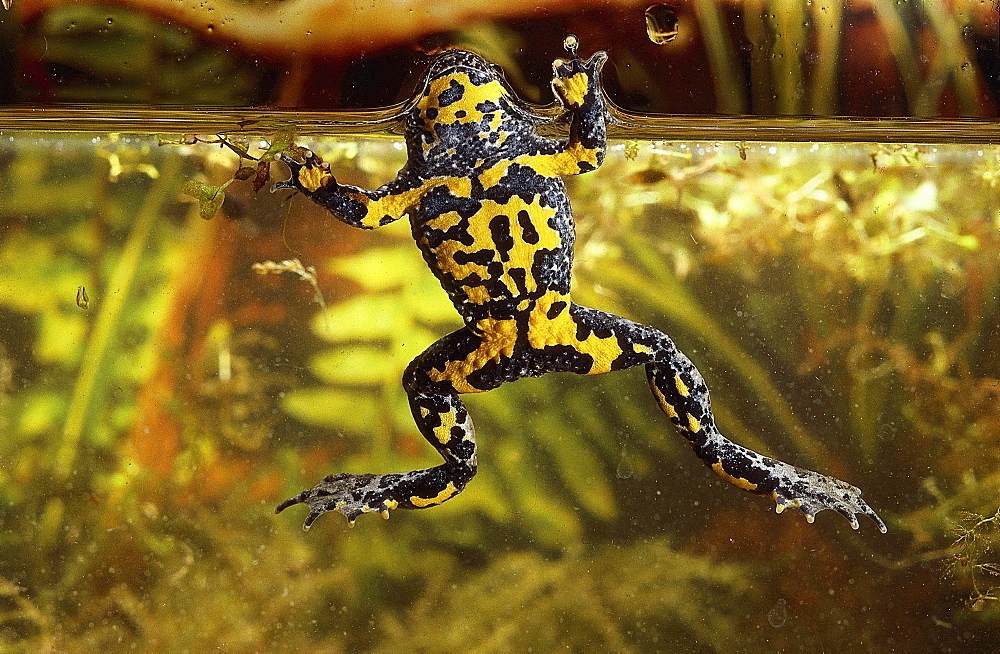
x,y
502,251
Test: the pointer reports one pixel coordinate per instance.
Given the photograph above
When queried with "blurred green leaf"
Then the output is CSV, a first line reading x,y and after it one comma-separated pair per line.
x,y
541,512
367,318
40,412
579,468
382,268
356,365
331,407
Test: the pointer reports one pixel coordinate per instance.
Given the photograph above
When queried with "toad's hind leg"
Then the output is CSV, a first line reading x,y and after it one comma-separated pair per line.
x,y
682,394
442,419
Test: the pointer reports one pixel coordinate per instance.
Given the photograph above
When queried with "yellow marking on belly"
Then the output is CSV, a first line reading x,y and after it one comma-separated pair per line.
x,y
681,386
477,294
739,482
693,424
445,221
390,504
498,338
446,492
522,255
492,176
471,96
561,330
639,348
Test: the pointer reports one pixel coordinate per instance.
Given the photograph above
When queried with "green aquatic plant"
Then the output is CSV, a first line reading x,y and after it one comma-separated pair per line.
x,y
619,598
977,539
85,396
51,250
883,267
255,169
23,627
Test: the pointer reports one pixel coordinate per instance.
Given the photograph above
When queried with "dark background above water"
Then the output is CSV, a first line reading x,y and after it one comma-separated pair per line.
x,y
873,58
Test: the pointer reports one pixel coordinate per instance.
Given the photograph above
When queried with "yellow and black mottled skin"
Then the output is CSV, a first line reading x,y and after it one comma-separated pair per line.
x,y
489,211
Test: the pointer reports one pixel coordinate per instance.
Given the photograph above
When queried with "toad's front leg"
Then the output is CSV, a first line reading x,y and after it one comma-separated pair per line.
x,y
308,175
354,206
577,82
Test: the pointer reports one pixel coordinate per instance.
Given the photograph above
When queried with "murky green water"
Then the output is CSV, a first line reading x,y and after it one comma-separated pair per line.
x,y
841,299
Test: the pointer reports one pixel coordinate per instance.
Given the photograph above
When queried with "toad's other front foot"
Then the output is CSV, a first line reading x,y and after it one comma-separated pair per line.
x,y
574,79
812,492
350,494
307,176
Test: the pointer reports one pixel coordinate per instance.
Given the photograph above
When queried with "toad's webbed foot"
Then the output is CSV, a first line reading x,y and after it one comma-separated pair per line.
x,y
812,492
307,176
353,495
350,494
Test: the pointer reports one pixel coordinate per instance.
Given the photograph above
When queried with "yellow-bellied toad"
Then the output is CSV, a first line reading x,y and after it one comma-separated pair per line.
x,y
489,211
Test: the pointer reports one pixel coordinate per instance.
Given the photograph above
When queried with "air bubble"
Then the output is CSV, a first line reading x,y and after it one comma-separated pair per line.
x,y
778,615
661,23
571,43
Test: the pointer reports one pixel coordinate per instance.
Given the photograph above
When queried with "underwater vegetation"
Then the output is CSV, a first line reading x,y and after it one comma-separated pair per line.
x,y
841,299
